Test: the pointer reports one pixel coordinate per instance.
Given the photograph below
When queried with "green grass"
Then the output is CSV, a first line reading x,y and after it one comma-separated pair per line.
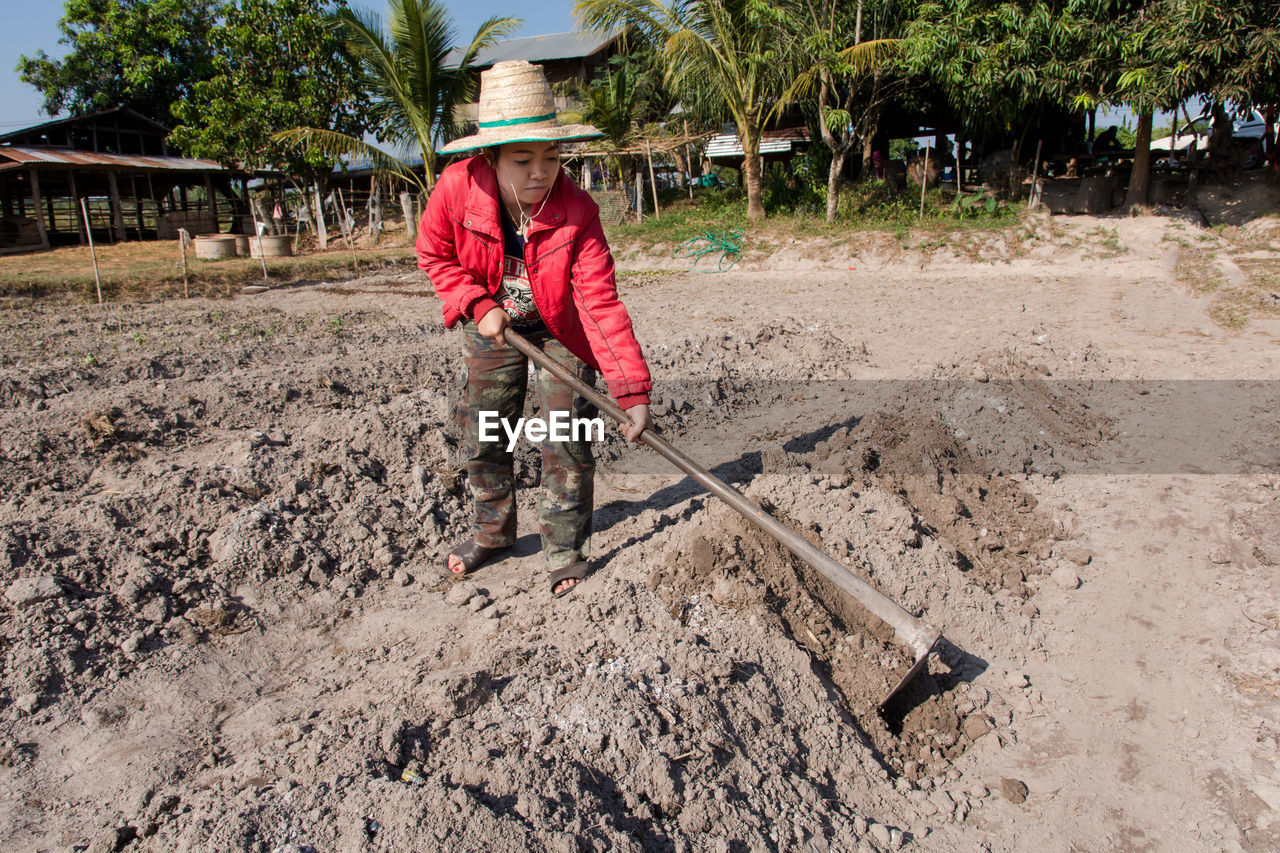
x,y
874,206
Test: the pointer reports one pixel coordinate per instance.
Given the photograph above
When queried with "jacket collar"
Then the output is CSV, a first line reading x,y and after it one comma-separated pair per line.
x,y
482,200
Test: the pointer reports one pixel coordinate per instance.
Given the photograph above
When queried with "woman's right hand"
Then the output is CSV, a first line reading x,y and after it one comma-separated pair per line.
x,y
493,324
640,421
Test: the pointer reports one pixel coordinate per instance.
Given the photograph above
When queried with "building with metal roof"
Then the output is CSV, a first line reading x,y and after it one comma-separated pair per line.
x,y
116,166
775,145
562,55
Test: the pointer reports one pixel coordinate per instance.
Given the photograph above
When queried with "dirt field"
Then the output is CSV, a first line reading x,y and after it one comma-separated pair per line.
x,y
224,625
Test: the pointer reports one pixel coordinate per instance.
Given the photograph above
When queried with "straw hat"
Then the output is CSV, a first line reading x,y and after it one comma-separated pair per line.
x,y
516,105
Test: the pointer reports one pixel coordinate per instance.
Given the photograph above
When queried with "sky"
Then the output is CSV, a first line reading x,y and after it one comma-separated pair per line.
x,y
32,26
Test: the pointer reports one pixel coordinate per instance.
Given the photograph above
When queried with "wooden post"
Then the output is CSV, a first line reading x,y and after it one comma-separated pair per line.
x,y
375,209
262,256
410,224
688,158
653,183
924,179
259,208
213,204
182,247
51,214
1015,191
97,280
1034,201
35,197
322,234
639,197
151,191
348,231
81,224
137,204
117,209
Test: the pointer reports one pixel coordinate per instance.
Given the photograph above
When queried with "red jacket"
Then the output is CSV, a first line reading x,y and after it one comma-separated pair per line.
x,y
568,261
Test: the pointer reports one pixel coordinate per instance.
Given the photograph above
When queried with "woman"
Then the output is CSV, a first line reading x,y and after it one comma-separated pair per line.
x,y
509,242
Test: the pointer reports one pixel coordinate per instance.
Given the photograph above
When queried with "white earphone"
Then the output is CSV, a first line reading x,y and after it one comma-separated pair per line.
x,y
525,221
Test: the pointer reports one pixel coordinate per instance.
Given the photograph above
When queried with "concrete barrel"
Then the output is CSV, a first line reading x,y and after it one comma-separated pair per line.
x,y
278,246
215,247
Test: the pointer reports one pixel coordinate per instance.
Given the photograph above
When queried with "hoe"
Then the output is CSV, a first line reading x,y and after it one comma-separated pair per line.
x,y
916,634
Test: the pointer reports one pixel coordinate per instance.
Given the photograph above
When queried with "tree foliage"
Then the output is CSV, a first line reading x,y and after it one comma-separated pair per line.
x,y
847,76
735,51
621,100
414,81
140,54
277,64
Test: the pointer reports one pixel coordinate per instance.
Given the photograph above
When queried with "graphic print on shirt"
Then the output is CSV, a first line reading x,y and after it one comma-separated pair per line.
x,y
515,295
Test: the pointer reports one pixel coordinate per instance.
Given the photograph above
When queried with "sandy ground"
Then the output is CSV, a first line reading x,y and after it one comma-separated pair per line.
x,y
224,626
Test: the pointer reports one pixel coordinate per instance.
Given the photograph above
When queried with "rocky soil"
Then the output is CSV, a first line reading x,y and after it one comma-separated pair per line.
x,y
224,626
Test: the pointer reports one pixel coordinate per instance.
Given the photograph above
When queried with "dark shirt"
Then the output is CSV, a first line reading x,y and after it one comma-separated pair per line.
x,y
515,295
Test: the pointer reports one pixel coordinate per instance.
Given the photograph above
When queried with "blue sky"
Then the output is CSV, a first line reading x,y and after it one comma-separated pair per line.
x,y
32,26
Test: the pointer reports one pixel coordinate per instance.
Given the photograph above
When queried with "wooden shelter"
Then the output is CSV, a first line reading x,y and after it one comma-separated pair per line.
x,y
118,163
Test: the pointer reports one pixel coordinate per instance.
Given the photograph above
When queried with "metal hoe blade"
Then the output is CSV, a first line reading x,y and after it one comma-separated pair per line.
x,y
914,633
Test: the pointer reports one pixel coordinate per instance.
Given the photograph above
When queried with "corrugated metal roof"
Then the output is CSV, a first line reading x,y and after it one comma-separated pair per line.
x,y
69,157
83,118
771,142
537,48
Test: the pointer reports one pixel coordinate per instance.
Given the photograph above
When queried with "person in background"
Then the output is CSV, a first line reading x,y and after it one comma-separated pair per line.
x,y
1224,154
1108,140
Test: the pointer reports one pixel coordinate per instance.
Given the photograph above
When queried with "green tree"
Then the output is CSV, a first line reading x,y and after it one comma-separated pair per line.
x,y
611,103
997,61
846,78
621,99
994,62
140,54
1165,51
277,64
415,81
737,51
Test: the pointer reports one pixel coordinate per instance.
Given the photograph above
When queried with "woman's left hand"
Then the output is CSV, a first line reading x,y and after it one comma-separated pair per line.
x,y
640,421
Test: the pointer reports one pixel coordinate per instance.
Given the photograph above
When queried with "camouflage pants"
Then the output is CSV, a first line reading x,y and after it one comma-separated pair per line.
x,y
496,380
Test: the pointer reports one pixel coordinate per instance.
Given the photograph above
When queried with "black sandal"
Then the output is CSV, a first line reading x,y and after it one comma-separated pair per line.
x,y
574,571
472,555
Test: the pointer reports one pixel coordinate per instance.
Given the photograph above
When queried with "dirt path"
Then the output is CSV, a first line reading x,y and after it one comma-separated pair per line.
x,y
223,627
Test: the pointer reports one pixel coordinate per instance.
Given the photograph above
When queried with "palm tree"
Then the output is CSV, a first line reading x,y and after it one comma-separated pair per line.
x,y
414,87
613,103
736,49
610,104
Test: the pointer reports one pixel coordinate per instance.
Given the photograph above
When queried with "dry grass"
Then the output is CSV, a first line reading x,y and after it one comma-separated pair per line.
x,y
139,271
1233,305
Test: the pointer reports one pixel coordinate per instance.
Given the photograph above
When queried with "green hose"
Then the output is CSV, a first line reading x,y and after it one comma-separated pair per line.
x,y
725,245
